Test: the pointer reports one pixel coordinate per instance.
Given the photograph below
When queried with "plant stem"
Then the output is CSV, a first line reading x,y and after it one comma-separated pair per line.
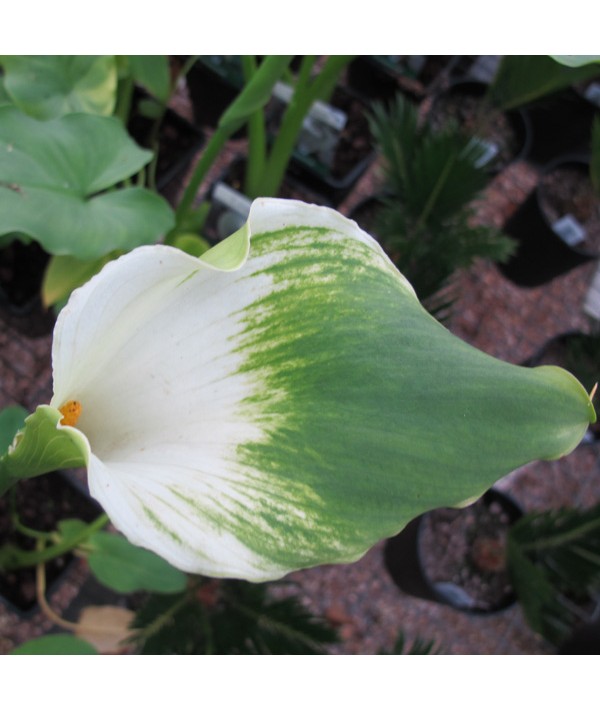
x,y
12,558
257,135
124,98
212,150
154,131
305,94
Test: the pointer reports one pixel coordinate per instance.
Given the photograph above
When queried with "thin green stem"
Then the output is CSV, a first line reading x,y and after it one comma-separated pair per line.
x,y
124,98
257,135
305,93
153,140
12,557
212,150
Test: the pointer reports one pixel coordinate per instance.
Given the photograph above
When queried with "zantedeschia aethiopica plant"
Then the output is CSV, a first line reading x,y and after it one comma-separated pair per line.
x,y
282,401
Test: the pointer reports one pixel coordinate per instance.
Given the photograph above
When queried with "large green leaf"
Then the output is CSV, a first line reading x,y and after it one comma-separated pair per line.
x,y
523,79
49,86
51,178
126,568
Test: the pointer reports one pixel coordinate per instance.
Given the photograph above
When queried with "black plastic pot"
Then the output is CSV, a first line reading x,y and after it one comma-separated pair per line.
x,y
378,77
22,269
404,562
464,94
541,255
561,123
584,640
213,82
178,142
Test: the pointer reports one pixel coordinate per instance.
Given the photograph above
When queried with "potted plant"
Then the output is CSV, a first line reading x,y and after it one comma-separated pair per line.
x,y
553,562
457,557
381,77
548,90
557,228
504,133
423,215
77,107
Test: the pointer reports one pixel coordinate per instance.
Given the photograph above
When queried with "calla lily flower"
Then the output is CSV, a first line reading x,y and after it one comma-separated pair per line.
x,y
284,400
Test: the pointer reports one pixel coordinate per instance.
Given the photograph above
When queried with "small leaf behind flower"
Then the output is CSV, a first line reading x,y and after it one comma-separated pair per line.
x,y
126,568
11,419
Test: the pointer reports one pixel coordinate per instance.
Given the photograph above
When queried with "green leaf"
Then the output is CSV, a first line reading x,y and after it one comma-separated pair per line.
x,y
11,420
523,79
71,528
51,180
64,274
56,644
152,72
126,568
255,93
43,446
191,244
47,87
576,60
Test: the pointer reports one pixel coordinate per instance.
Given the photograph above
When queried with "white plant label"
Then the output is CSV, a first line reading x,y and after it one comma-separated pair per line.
x,y
569,230
321,128
490,149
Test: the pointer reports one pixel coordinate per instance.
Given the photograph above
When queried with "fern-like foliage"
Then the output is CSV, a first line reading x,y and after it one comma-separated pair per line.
x,y
554,562
228,617
417,646
426,223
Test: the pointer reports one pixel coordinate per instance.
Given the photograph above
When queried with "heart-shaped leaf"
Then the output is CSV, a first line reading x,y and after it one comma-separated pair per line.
x,y
51,178
48,86
126,568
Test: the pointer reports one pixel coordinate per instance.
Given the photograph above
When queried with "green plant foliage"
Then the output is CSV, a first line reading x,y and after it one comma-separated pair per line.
x,y
49,86
11,420
431,180
255,94
152,72
64,274
554,562
123,567
54,185
56,644
523,79
229,617
417,646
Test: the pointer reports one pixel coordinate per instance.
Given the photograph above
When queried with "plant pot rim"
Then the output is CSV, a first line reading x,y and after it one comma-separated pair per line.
x,y
421,584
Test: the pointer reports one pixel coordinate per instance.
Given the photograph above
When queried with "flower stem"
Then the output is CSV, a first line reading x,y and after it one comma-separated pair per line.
x,y
12,557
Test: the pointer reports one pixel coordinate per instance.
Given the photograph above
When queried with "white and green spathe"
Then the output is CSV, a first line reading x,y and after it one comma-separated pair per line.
x,y
285,401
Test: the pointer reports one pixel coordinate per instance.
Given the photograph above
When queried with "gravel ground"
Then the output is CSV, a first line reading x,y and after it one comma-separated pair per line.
x,y
360,599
